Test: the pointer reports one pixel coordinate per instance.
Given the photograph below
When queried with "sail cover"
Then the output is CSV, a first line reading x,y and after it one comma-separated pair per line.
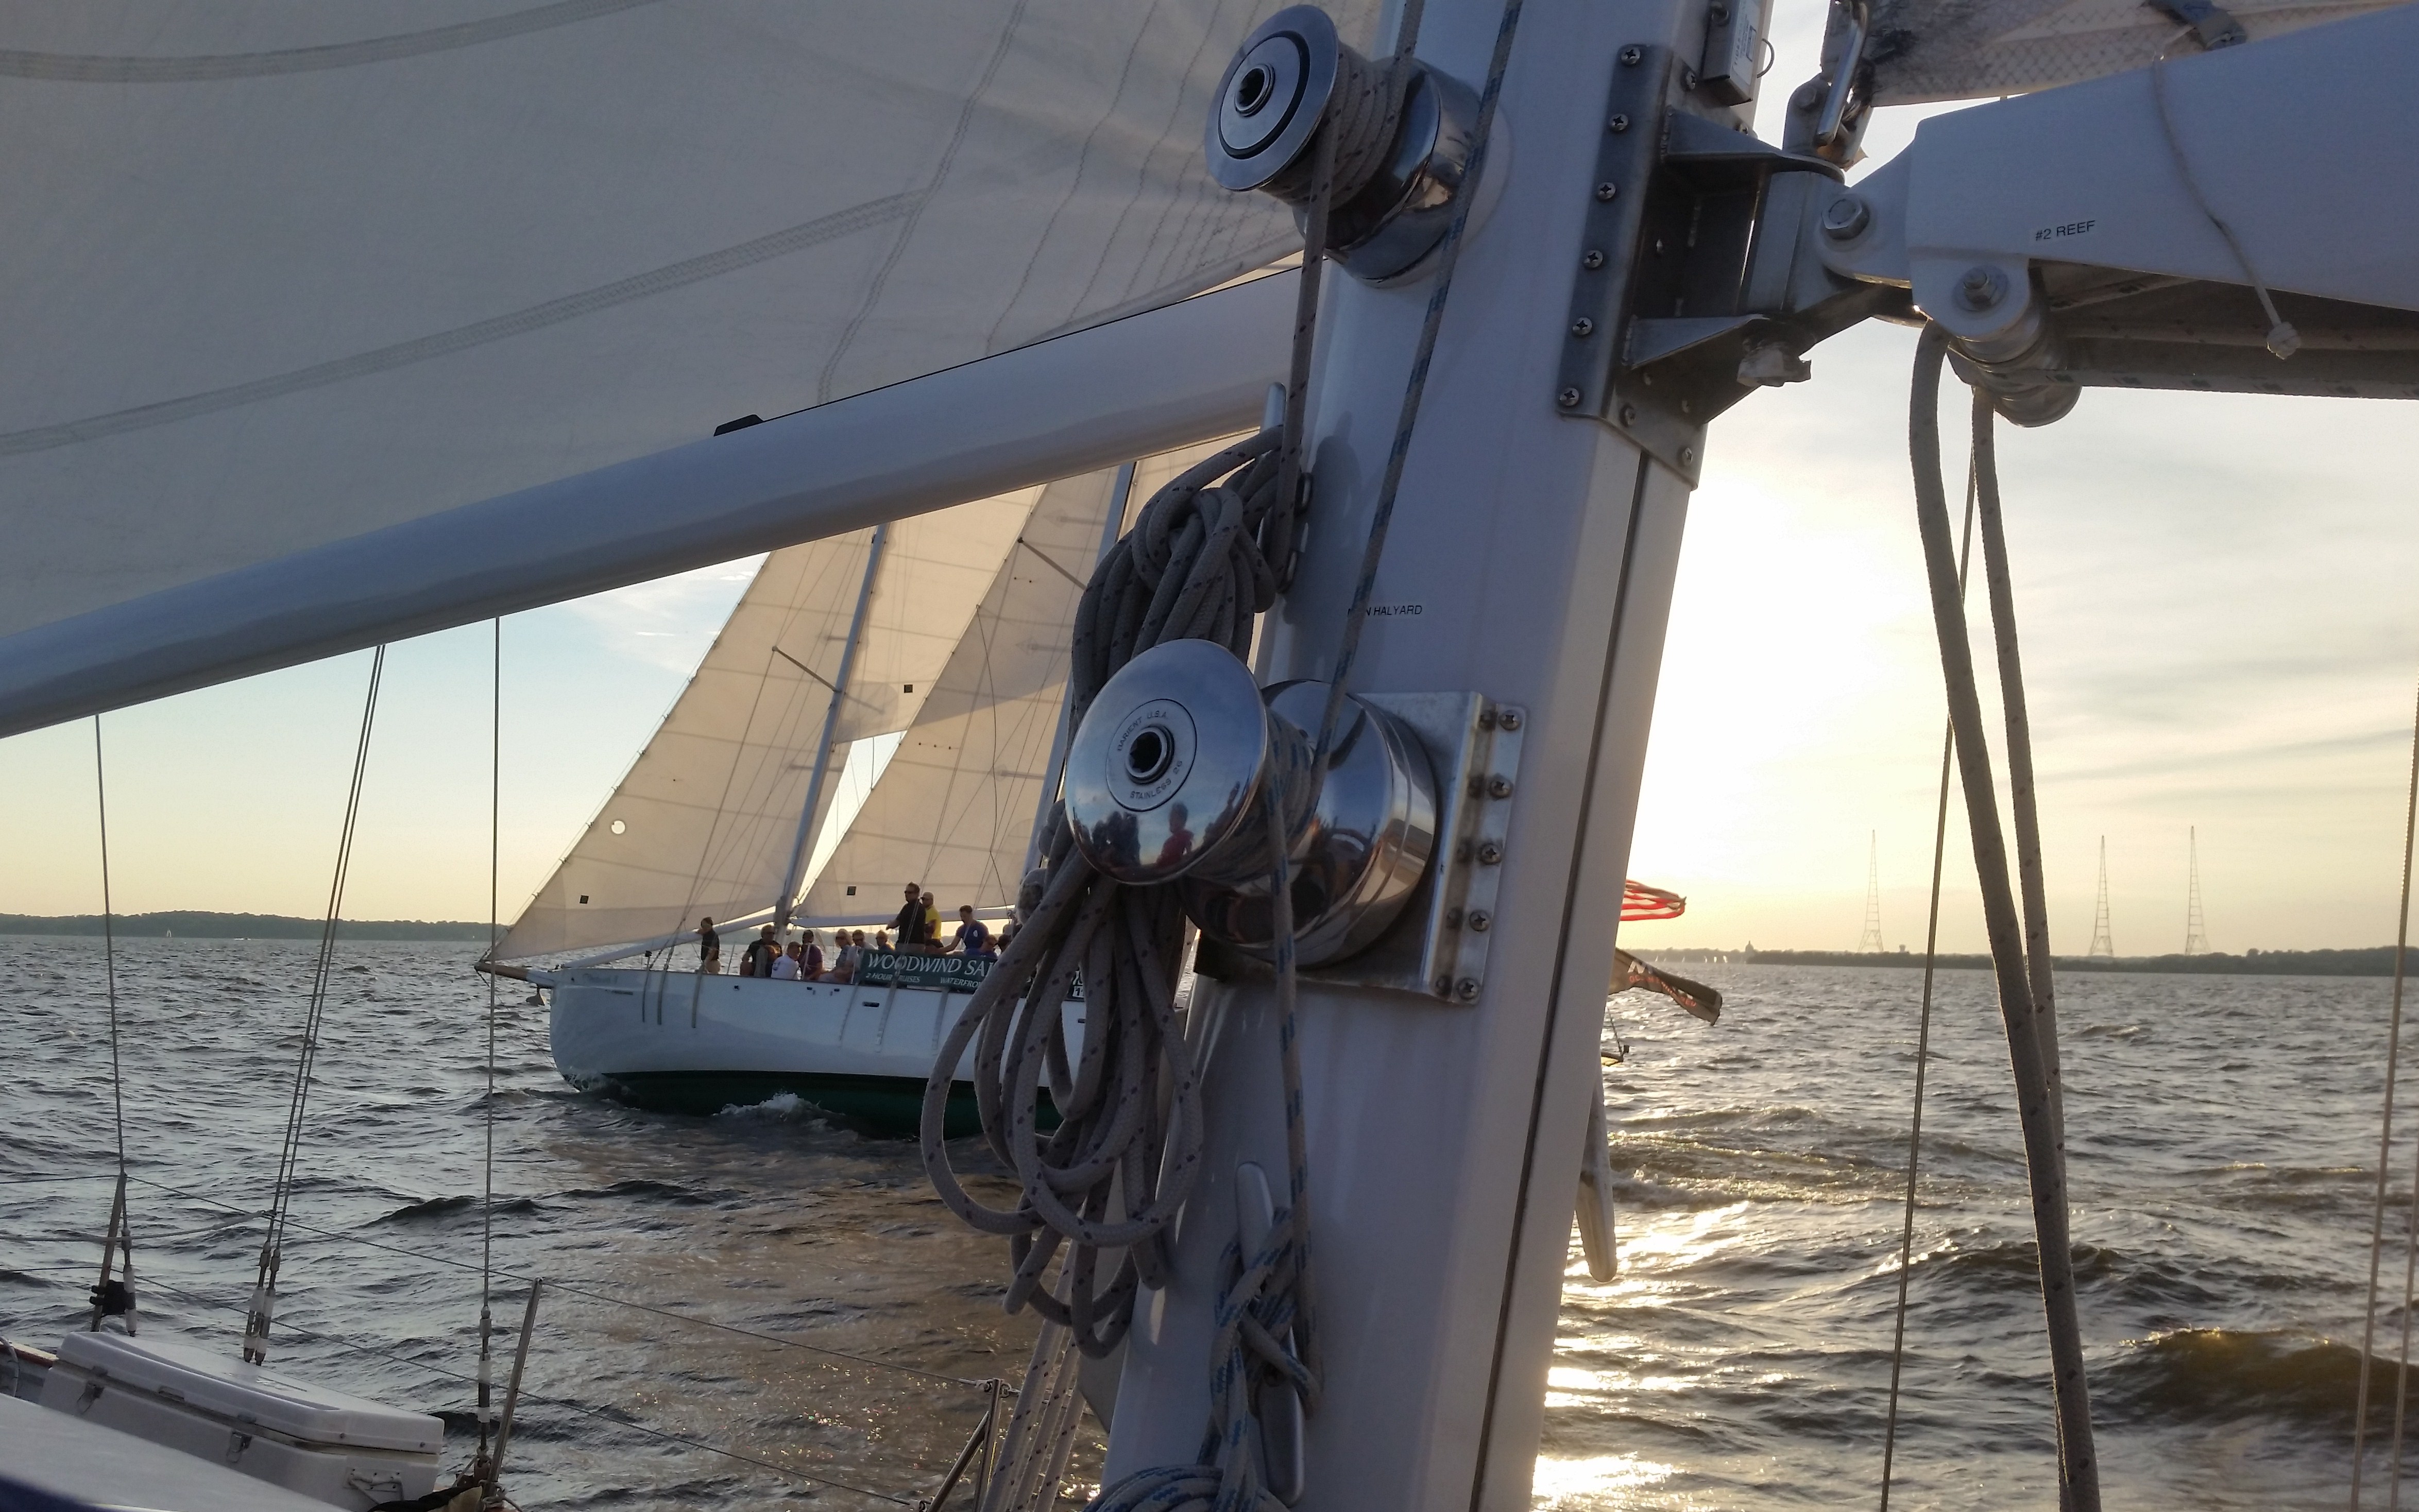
x,y
954,808
287,271
706,820
1933,50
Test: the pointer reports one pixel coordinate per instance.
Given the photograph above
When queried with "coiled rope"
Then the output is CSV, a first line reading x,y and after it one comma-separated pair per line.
x,y
264,1292
2384,1154
2019,1008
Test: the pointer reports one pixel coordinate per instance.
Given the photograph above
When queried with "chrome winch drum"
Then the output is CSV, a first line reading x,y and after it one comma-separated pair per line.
x,y
1282,83
1169,779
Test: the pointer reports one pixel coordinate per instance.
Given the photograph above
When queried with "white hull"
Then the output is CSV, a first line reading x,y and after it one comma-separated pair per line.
x,y
686,1042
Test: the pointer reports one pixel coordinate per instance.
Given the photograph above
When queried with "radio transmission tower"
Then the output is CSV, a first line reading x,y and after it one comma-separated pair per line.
x,y
2195,928
2101,944
1872,939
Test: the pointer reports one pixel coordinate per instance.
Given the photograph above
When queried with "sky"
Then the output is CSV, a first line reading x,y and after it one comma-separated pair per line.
x,y
2218,638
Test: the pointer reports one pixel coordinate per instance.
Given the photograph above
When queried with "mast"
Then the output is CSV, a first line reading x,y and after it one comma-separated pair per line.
x,y
788,898
1121,497
1531,560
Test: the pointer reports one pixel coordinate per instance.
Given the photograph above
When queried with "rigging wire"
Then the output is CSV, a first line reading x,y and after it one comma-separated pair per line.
x,y
483,1467
2384,1154
264,1294
1923,1034
109,1298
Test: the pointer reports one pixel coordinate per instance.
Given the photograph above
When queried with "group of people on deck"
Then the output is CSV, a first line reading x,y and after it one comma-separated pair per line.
x,y
917,929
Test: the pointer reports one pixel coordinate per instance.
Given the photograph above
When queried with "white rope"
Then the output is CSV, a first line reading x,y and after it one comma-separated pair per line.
x,y
2384,1154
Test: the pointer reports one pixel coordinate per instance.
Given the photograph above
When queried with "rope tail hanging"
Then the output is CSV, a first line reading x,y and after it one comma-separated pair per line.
x,y
2078,1466
112,1297
272,1245
1923,1038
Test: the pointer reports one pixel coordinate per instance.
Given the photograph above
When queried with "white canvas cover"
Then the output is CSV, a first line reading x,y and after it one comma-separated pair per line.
x,y
1936,50
282,271
706,820
955,806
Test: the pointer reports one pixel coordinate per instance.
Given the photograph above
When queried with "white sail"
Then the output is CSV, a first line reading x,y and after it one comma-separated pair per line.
x,y
955,806
1936,50
706,819
297,271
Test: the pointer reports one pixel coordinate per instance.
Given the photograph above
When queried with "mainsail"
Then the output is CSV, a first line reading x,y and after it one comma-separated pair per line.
x,y
707,819
1923,50
303,271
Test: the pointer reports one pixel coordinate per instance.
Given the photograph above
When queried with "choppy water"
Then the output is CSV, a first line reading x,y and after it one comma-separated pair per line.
x,y
2220,1128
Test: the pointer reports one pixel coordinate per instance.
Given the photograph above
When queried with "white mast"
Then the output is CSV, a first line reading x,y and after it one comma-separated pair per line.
x,y
787,899
1531,560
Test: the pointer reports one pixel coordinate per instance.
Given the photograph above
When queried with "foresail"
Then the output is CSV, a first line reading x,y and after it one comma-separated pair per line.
x,y
707,819
303,271
955,806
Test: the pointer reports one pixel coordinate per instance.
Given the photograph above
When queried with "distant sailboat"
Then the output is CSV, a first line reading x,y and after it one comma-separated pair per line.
x,y
949,634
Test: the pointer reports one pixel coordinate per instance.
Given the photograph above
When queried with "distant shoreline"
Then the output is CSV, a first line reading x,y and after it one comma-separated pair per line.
x,y
2376,960
186,923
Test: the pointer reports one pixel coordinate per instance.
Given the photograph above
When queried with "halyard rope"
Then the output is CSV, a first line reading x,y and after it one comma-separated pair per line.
x,y
2384,1154
255,1328
1923,1039
2078,1466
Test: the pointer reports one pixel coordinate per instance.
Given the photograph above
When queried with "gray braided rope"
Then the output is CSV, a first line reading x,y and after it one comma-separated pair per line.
x,y
1123,1156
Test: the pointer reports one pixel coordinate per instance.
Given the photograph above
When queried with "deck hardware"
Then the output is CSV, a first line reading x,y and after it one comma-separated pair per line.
x,y
1607,192
1284,82
1436,941
1466,989
1983,287
1582,327
1498,786
1847,218
1568,398
1618,123
1716,226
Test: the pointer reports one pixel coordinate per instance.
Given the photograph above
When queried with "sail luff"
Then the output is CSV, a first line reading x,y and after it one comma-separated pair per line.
x,y
1112,526
809,814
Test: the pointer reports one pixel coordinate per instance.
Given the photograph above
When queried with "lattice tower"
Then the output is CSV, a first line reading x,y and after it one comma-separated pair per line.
x,y
1872,939
2103,946
2195,928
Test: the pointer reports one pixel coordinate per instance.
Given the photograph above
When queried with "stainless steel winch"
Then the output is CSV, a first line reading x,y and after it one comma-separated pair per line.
x,y
1179,763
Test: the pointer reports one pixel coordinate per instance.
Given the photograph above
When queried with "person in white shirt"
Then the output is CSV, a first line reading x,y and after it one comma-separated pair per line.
x,y
785,966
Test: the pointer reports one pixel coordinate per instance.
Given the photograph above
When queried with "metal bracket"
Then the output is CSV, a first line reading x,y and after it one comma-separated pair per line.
x,y
1696,282
1439,946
